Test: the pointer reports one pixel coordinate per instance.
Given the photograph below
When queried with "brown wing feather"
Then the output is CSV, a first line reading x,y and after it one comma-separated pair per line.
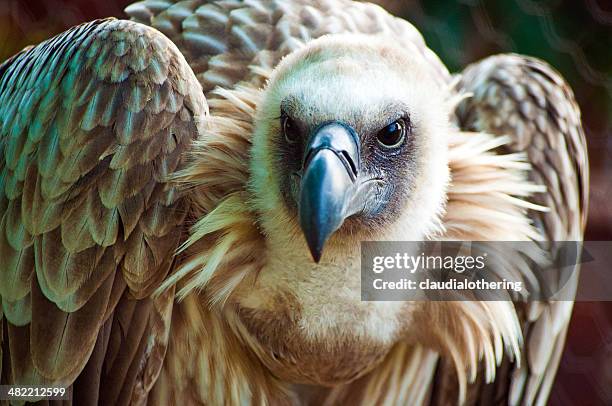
x,y
525,98
222,39
92,122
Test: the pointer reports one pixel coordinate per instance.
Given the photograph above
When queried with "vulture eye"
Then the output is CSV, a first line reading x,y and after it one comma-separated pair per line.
x,y
393,135
290,130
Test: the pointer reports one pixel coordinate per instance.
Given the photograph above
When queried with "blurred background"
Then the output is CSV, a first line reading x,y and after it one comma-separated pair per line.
x,y
574,36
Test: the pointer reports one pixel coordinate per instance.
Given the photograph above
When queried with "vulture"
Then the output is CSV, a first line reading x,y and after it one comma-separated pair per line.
x,y
183,196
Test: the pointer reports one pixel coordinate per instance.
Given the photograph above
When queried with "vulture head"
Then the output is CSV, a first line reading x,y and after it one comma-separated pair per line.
x,y
350,145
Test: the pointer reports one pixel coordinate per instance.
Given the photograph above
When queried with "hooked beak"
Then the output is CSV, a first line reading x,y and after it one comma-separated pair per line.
x,y
330,189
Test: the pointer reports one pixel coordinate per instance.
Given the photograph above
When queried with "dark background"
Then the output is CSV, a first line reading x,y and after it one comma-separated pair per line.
x,y
574,36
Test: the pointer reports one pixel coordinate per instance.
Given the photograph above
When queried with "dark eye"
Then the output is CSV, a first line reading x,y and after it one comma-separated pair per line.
x,y
290,130
393,135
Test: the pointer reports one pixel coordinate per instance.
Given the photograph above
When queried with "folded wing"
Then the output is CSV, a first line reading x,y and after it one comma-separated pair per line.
x,y
525,98
92,122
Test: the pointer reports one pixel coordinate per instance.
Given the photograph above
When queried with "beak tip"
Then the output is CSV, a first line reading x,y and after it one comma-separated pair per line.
x,y
315,246
316,254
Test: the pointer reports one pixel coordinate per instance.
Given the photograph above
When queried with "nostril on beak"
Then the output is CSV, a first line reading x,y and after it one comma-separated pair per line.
x,y
350,162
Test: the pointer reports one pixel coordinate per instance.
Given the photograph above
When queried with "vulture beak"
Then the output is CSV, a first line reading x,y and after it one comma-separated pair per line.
x,y
330,188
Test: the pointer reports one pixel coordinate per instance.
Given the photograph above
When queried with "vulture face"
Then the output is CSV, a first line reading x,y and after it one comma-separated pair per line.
x,y
352,140
350,145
